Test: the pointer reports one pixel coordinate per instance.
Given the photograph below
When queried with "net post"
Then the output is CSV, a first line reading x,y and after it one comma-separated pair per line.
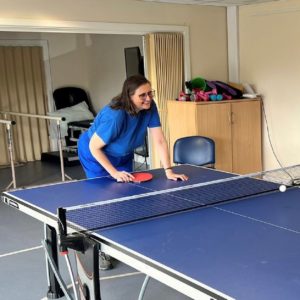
x,y
65,241
86,251
62,230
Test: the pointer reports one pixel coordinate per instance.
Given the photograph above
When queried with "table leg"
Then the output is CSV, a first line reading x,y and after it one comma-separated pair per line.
x,y
54,290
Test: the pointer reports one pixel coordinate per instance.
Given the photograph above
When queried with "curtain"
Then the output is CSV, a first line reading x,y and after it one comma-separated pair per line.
x,y
23,90
165,70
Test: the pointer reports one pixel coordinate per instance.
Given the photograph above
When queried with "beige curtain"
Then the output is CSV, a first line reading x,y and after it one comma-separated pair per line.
x,y
22,89
165,70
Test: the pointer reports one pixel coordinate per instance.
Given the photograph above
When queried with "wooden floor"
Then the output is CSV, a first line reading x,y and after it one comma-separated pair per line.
x,y
22,260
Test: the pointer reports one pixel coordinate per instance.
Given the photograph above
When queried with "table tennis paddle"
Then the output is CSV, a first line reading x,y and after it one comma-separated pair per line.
x,y
142,177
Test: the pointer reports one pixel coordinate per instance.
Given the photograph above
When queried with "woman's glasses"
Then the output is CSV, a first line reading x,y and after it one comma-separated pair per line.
x,y
150,94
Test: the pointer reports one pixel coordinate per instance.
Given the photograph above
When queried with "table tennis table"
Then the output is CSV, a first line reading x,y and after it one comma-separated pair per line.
x,y
245,249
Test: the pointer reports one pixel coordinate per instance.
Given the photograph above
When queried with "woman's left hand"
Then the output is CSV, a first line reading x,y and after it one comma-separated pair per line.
x,y
173,176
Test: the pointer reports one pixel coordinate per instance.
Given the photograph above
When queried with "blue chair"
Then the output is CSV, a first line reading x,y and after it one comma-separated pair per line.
x,y
194,150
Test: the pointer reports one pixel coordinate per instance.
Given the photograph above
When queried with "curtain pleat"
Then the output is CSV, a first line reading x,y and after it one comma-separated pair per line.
x,y
165,71
23,90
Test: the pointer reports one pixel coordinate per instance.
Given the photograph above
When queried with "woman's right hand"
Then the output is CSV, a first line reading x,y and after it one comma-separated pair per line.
x,y
122,176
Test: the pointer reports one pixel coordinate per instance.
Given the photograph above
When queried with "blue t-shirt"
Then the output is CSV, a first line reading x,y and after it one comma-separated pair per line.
x,y
120,131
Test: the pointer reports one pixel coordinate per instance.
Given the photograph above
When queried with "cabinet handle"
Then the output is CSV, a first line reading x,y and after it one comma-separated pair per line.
x,y
230,117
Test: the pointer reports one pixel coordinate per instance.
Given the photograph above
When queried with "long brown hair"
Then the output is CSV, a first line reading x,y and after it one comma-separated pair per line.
x,y
123,100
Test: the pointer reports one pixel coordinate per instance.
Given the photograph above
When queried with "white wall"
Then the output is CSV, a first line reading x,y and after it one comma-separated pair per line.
x,y
68,59
106,65
270,59
94,62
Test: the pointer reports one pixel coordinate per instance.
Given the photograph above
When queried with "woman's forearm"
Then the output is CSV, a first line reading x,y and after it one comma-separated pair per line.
x,y
102,159
96,144
163,150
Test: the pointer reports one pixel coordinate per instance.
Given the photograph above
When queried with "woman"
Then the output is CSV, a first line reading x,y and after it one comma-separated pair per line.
x,y
107,148
120,127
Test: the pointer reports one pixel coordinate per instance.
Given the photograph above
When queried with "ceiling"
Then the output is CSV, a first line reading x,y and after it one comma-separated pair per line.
x,y
213,2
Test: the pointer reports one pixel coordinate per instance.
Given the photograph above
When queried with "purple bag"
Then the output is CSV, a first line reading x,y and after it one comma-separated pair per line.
x,y
224,88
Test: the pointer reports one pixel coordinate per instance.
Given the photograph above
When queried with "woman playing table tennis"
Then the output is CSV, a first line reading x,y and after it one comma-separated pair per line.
x,y
107,147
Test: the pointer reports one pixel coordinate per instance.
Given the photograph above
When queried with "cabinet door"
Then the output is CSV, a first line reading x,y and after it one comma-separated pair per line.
x,y
182,121
246,137
214,121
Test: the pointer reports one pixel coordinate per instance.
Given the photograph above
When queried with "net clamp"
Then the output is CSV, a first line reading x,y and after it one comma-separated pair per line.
x,y
73,241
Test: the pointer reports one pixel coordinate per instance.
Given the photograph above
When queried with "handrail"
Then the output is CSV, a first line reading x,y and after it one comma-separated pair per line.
x,y
32,115
59,138
8,124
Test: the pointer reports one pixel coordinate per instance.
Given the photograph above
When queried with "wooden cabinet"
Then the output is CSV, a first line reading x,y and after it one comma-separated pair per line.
x,y
234,125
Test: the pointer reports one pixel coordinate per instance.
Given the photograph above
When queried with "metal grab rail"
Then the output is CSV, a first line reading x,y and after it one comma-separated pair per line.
x,y
59,139
10,146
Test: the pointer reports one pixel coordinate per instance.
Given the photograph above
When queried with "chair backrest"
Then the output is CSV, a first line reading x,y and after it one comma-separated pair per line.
x,y
69,96
194,150
143,150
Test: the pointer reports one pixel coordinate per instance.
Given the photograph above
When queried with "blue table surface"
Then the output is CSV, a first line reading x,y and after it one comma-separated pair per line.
x,y
248,249
66,194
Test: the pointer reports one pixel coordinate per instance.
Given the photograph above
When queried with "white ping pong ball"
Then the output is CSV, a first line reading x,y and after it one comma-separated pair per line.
x,y
282,188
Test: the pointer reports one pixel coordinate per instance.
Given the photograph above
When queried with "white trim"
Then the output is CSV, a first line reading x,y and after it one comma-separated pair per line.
x,y
233,43
186,54
31,25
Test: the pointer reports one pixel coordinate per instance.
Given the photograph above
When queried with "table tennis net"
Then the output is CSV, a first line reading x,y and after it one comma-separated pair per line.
x,y
157,203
